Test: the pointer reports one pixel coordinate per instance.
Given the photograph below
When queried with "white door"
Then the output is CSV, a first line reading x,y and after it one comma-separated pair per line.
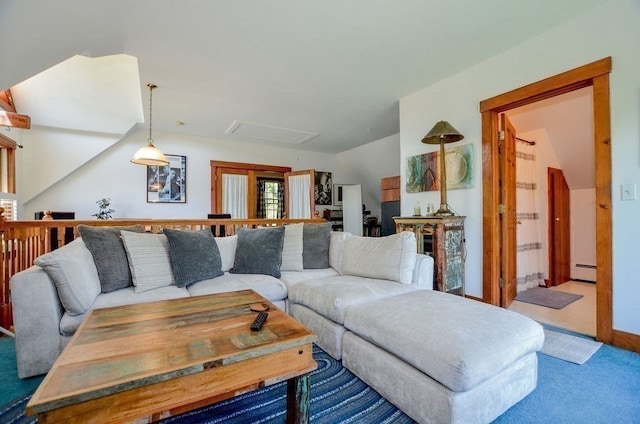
x,y
352,209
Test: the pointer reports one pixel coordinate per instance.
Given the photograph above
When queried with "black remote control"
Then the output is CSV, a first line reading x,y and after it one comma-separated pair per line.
x,y
256,325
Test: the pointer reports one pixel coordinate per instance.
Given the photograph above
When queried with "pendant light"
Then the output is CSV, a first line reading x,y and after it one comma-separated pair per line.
x,y
150,154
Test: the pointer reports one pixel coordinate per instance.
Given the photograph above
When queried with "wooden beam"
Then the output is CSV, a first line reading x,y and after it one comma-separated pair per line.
x,y
6,101
10,119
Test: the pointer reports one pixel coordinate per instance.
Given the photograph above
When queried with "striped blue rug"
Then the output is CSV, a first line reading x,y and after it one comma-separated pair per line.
x,y
337,396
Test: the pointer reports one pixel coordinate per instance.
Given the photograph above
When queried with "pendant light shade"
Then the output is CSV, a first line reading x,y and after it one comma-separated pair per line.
x,y
150,154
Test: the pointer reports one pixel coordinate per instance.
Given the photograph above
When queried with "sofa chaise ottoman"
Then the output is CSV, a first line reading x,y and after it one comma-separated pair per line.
x,y
442,358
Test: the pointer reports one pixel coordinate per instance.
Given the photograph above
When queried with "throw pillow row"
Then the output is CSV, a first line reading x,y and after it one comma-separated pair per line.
x,y
126,256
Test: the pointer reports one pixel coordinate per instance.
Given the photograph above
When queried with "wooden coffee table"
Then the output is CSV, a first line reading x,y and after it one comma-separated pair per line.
x,y
158,359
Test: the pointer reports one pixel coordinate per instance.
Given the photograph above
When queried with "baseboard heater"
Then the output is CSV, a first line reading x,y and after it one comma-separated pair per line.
x,y
587,267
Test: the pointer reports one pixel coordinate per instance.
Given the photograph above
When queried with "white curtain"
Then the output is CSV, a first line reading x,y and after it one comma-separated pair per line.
x,y
300,196
530,272
235,195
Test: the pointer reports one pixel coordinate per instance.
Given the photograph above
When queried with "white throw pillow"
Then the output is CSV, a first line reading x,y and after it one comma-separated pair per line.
x,y
292,248
336,248
389,258
74,273
149,261
227,247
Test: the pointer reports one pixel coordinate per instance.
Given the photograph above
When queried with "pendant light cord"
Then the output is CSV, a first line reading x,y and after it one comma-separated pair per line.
x,y
151,87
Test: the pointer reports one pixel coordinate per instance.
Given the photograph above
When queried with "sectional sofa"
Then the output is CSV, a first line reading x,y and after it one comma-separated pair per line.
x,y
368,299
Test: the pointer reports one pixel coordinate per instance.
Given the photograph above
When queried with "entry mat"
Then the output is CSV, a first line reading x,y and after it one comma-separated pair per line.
x,y
569,348
546,297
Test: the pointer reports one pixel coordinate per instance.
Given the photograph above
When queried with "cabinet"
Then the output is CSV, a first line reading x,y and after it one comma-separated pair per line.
x,y
442,238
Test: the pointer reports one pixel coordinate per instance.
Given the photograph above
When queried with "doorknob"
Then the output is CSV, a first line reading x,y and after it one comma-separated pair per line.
x,y
519,222
557,219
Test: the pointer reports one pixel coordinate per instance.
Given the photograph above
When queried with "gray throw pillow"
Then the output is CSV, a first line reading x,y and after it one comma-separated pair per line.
x,y
194,256
259,251
109,255
316,239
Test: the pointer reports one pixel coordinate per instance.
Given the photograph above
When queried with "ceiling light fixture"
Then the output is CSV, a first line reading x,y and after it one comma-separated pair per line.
x,y
150,154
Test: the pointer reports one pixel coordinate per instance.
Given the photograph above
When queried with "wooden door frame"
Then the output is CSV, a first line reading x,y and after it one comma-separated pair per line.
x,y
251,169
595,74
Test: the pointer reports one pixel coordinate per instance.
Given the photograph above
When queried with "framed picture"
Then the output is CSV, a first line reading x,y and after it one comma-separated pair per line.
x,y
337,195
168,184
323,188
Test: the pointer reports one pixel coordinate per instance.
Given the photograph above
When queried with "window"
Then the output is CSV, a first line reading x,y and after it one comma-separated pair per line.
x,y
271,199
8,198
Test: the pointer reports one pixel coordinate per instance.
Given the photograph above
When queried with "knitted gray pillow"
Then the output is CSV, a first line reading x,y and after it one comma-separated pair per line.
x,y
109,255
194,256
259,251
315,245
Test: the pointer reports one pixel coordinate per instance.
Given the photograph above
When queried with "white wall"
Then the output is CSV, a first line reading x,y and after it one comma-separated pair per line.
x,y
110,174
576,43
370,163
583,233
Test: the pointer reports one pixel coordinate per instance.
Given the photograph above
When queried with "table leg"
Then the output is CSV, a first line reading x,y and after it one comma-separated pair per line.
x,y
298,395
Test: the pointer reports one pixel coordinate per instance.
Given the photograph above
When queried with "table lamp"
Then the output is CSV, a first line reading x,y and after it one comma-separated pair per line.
x,y
442,133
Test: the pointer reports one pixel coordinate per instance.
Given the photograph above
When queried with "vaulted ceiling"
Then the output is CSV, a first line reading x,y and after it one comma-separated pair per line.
x,y
331,71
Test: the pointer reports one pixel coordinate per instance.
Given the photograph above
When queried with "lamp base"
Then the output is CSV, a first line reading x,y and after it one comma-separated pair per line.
x,y
444,211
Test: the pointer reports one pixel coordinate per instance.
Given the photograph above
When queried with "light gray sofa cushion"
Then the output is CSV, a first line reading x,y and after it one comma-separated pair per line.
x,y
331,296
194,256
109,255
74,273
127,296
265,285
315,245
391,258
291,278
336,249
259,251
148,256
458,342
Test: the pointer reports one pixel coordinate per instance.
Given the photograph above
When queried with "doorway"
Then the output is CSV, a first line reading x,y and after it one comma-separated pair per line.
x,y
555,209
497,274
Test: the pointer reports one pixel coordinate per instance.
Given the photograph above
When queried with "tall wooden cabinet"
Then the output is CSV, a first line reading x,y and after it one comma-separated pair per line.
x,y
442,238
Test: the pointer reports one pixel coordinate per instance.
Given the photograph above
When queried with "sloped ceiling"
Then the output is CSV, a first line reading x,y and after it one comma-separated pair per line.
x,y
336,68
568,122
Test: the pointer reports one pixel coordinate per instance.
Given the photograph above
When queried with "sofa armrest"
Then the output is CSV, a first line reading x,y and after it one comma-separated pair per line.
x,y
36,319
423,272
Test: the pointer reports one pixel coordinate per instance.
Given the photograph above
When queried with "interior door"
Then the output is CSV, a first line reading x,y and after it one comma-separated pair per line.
x,y
352,209
299,194
507,153
559,227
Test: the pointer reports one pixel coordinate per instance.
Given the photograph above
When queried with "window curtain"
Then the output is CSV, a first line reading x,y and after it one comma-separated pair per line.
x,y
261,206
299,197
530,272
234,195
280,200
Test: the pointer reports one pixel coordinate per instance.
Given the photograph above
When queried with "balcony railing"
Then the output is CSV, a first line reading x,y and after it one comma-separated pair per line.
x,y
21,242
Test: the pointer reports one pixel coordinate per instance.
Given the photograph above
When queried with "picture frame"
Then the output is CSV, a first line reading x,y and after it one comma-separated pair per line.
x,y
337,194
323,188
168,184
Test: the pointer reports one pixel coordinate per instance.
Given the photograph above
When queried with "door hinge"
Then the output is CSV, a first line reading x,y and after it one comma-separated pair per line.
x,y
501,135
501,282
501,209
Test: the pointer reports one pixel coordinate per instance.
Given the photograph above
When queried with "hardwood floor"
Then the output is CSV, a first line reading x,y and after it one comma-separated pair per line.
x,y
579,316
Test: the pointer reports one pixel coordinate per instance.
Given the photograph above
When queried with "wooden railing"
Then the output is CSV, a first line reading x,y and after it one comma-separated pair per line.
x,y
23,241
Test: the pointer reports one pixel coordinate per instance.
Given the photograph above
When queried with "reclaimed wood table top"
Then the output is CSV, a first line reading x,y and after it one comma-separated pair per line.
x,y
160,358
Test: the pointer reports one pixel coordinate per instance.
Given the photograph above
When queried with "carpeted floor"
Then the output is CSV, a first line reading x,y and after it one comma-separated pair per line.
x,y
603,390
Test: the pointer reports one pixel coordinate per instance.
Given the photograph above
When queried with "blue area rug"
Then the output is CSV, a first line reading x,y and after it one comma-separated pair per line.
x,y
337,396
